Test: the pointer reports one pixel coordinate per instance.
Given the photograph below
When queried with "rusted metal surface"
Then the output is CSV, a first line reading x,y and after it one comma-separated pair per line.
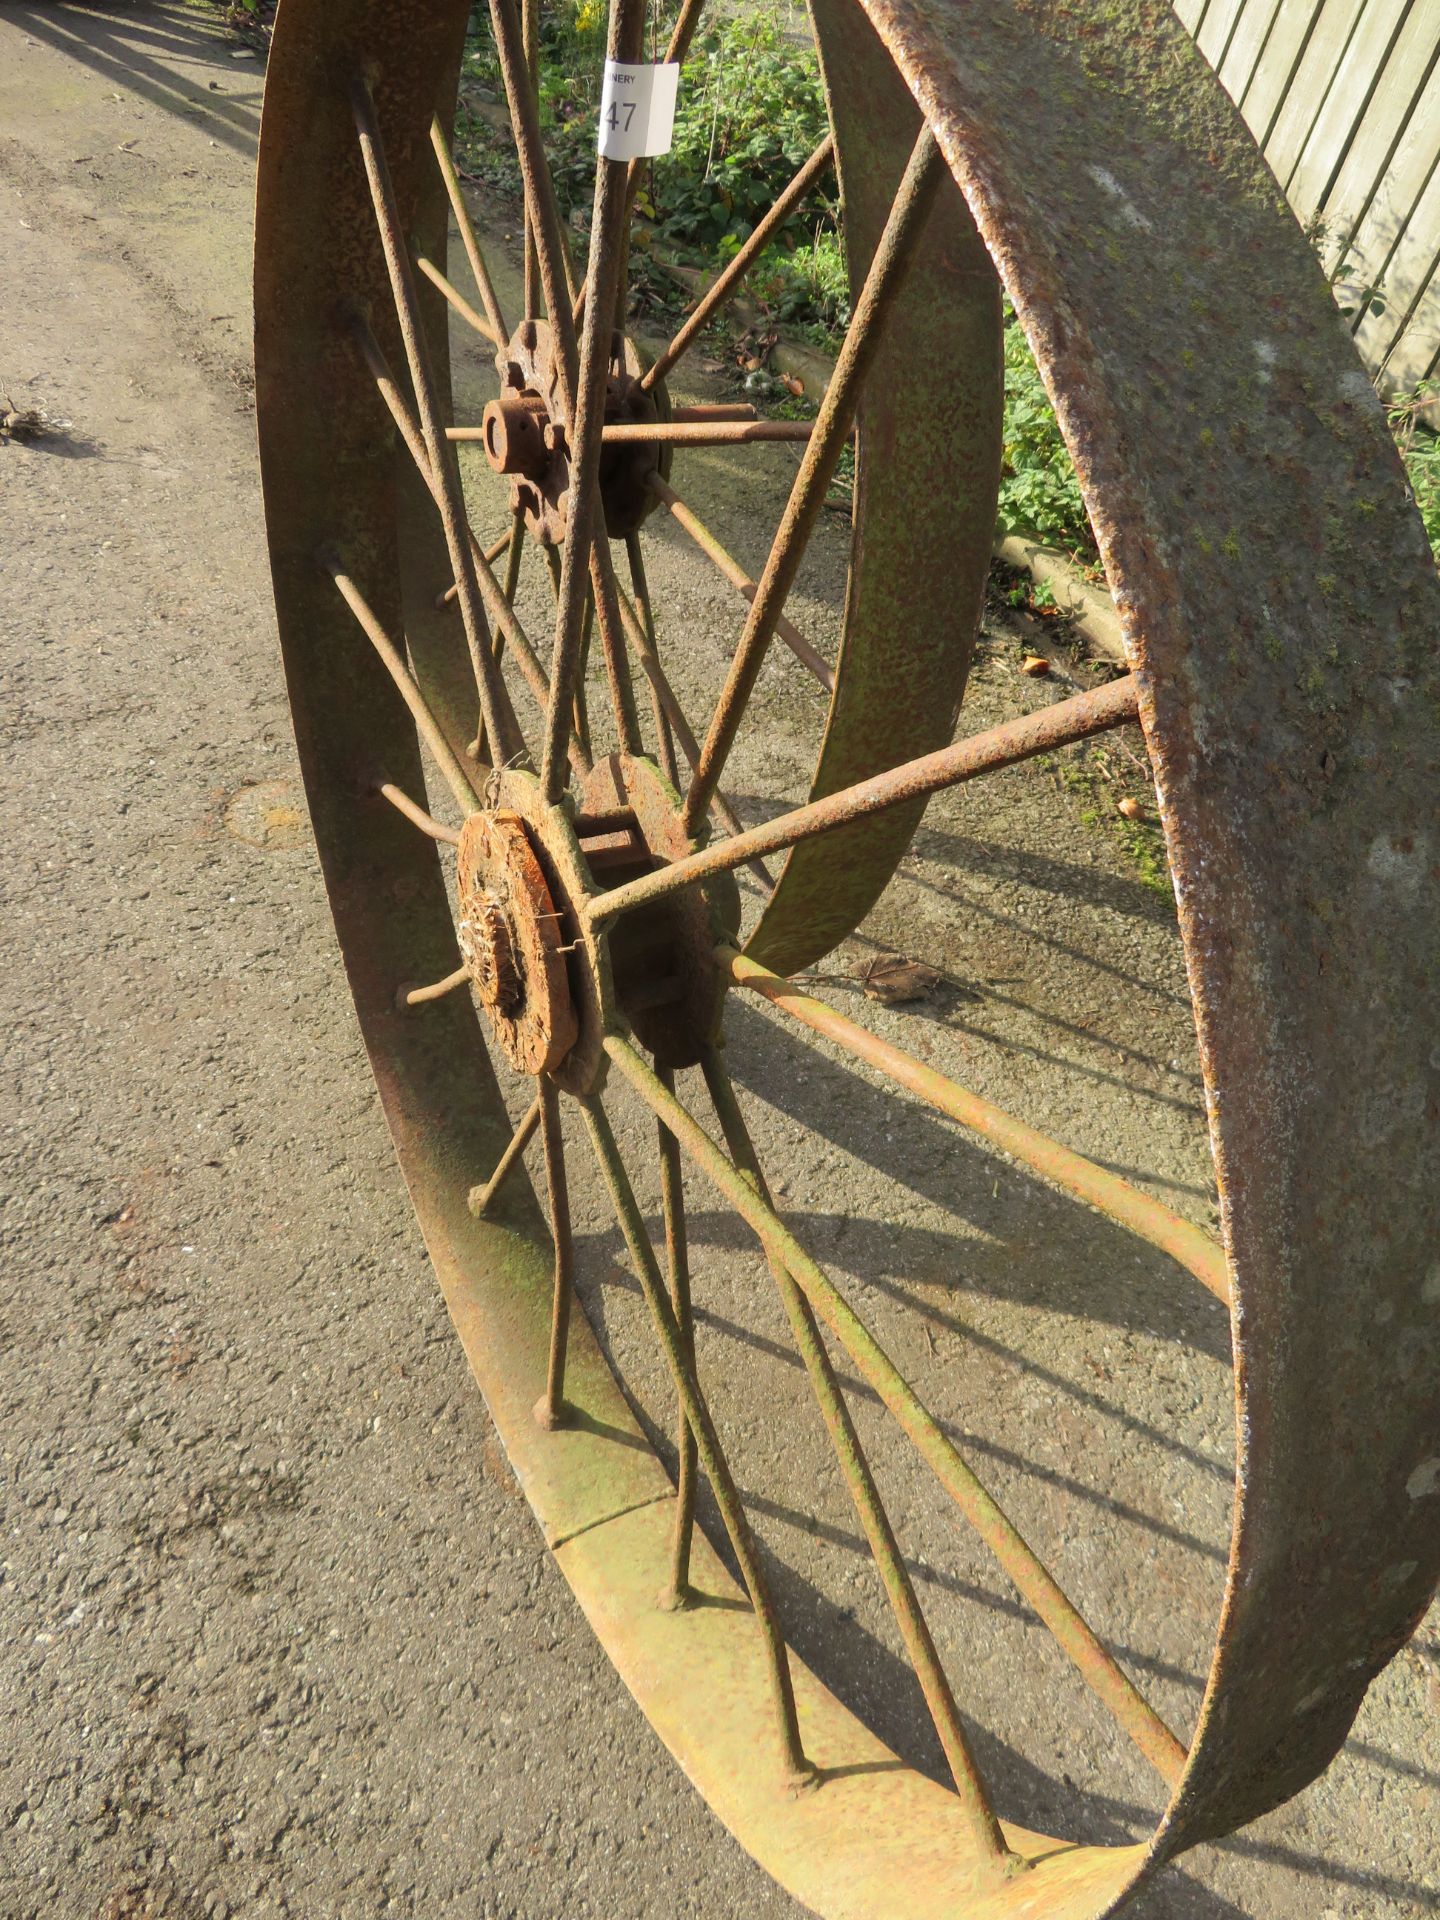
x,y
417,815
550,1407
695,433
1281,611
583,424
677,1591
926,482
437,990
1096,1186
497,601
982,1829
458,301
894,256
797,1772
465,226
1031,1577
510,936
499,721
461,779
1012,741
1282,614
480,1196
672,949
524,433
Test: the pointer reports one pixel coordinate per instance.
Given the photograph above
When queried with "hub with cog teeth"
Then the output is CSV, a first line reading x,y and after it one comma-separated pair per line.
x,y
525,436
509,935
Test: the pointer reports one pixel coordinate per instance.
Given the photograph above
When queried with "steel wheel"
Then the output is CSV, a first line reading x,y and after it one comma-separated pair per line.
x,y
586,928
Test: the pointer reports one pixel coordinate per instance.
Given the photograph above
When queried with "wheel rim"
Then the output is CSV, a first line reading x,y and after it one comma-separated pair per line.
x,y
339,503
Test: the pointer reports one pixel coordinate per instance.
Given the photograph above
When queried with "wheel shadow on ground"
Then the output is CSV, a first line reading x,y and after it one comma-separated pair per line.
x,y
881,1688
1036,1247
137,47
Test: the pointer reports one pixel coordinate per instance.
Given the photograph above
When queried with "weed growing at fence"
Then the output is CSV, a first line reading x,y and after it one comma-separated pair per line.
x,y
1420,450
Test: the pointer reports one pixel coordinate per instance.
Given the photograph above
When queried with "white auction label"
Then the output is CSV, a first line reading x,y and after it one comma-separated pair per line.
x,y
637,110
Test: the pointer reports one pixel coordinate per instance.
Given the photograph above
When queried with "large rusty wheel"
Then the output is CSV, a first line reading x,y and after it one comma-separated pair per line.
x,y
1281,612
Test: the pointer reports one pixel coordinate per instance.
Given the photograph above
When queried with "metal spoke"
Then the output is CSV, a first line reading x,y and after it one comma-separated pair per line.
x,y
677,1259
466,227
896,251
582,708
1027,1572
417,815
457,300
581,555
418,996
499,720
515,553
1014,740
1181,1239
640,587
479,1198
650,662
458,781
513,547
550,1408
530,36
704,433
739,579
518,57
608,597
712,1458
980,1820
725,284
507,627
722,412
492,553
409,431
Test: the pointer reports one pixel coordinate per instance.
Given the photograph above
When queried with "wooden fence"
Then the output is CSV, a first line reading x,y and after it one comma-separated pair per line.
x,y
1344,99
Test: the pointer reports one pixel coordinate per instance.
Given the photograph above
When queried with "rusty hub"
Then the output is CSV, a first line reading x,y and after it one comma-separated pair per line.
x,y
547,984
509,935
525,436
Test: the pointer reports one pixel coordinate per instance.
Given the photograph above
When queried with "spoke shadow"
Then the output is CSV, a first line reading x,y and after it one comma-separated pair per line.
x,y
1030,1244
701,1227
880,1687
138,48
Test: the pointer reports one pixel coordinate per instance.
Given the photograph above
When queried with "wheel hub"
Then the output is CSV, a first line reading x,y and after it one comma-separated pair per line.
x,y
524,436
509,934
549,985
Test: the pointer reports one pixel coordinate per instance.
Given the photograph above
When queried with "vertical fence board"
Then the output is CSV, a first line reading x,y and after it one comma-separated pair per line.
x,y
1247,43
1216,28
1408,273
1397,108
1344,99
1348,96
1309,87
1270,88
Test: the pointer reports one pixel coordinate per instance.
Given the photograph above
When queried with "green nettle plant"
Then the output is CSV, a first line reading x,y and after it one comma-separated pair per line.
x,y
752,111
1039,492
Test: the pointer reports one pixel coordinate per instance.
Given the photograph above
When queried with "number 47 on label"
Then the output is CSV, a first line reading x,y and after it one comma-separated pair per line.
x,y
637,110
